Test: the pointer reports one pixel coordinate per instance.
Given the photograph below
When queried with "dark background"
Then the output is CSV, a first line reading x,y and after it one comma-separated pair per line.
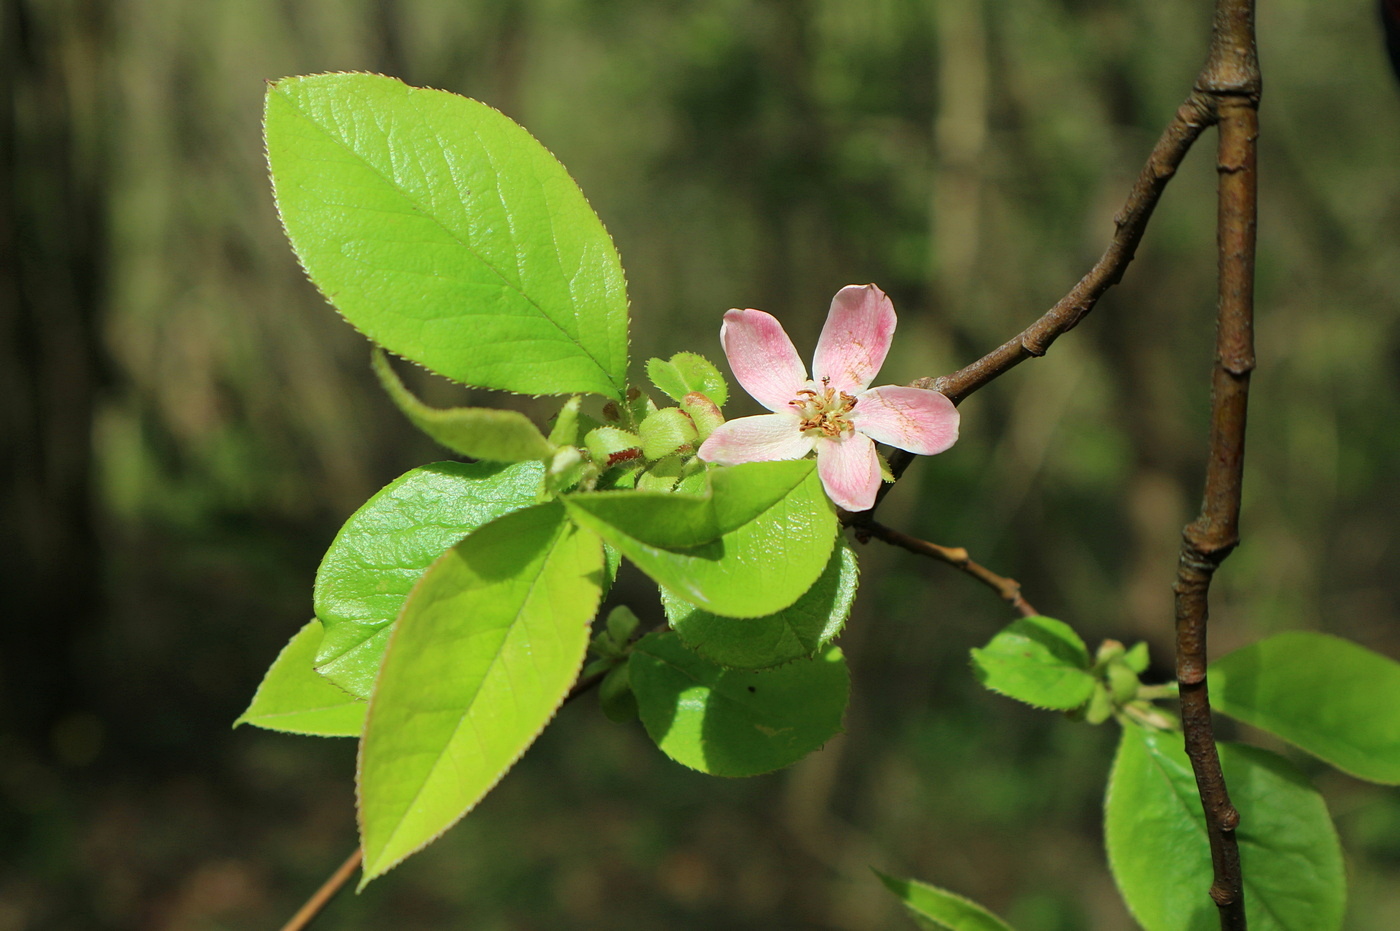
x,y
185,424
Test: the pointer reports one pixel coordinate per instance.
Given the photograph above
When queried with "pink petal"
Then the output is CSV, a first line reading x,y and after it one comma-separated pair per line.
x,y
762,357
849,470
756,439
855,339
923,422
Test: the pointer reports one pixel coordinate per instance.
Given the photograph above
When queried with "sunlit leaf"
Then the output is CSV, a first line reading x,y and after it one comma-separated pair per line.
x,y
485,651
295,699
384,547
1037,660
1157,847
1335,699
444,232
732,722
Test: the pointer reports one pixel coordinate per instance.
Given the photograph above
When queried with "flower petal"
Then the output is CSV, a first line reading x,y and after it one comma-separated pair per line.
x,y
921,421
762,357
756,439
855,339
849,470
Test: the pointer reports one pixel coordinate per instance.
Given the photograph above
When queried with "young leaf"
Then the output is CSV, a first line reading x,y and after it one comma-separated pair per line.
x,y
759,567
737,495
479,432
687,372
796,632
1157,847
485,651
1335,699
293,698
384,547
444,232
1037,660
729,722
937,908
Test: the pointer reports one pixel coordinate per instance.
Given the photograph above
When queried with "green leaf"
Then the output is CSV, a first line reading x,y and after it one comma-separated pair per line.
x,y
737,495
1157,847
1335,699
1037,660
479,432
484,653
384,547
444,232
937,908
764,558
687,372
293,698
731,722
796,632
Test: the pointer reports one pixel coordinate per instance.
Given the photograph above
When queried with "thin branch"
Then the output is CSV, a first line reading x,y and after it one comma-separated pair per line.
x,y
1231,75
1008,589
308,912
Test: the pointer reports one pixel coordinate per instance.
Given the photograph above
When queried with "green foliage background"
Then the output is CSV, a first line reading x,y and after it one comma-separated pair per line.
x,y
186,424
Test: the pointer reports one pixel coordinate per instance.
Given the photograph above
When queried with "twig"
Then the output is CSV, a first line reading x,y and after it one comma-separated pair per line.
x,y
1008,589
322,897
1231,76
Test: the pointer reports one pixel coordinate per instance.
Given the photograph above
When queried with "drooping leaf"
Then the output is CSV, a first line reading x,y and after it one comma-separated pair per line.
x,y
733,722
384,547
759,567
487,647
1037,660
1335,699
293,698
1289,854
479,432
795,632
737,495
685,372
447,234
939,909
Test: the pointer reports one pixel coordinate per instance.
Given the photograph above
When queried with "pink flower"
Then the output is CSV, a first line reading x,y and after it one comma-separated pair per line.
x,y
833,412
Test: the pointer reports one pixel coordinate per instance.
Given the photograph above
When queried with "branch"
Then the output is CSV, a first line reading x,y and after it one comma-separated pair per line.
x,y
1008,589
1231,76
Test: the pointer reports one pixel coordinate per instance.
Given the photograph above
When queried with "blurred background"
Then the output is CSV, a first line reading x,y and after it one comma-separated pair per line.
x,y
185,424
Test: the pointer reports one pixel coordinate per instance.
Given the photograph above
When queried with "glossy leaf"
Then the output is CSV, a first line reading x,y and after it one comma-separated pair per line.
x,y
384,547
796,632
686,372
485,651
760,567
478,432
937,908
1037,660
732,722
1335,699
444,232
1157,847
294,699
737,496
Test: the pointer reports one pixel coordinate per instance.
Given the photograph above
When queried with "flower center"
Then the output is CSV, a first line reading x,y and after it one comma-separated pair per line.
x,y
824,411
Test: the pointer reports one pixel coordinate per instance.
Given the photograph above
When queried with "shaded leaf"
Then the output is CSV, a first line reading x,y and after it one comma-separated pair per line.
x,y
731,722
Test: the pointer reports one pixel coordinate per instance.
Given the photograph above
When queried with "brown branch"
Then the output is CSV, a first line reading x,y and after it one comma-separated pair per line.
x,y
1231,76
1008,589
308,912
